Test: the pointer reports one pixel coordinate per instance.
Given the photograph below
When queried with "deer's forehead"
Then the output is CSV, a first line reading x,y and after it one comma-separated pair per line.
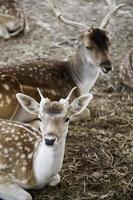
x,y
97,37
55,109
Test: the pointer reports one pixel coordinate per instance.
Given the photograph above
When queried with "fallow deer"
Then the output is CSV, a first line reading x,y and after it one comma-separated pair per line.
x,y
126,69
32,159
56,77
12,18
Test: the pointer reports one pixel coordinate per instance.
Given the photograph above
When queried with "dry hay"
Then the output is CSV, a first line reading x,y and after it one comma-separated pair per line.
x,y
99,153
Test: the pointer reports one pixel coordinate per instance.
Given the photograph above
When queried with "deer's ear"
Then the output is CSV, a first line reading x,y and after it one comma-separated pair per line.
x,y
79,104
28,103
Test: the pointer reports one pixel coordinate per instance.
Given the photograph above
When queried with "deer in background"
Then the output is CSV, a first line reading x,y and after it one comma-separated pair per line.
x,y
31,159
12,18
126,69
56,77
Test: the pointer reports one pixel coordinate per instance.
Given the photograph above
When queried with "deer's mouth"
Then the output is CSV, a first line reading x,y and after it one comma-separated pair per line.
x,y
105,70
106,66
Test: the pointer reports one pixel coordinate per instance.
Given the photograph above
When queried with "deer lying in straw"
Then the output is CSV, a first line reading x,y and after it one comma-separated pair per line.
x,y
12,18
126,69
55,77
32,159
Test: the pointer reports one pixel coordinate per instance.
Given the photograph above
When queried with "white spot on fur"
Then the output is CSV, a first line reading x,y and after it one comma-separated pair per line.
x,y
22,156
6,156
3,129
20,147
6,151
16,138
17,154
13,170
12,130
53,92
23,169
3,166
18,144
30,139
10,159
11,149
6,86
8,100
27,149
30,155
8,139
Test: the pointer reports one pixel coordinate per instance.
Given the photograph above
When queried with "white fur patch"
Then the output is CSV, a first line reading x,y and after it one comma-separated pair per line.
x,y
3,166
48,162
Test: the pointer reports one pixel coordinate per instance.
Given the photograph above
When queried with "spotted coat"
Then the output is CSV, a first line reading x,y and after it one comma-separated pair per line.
x,y
16,158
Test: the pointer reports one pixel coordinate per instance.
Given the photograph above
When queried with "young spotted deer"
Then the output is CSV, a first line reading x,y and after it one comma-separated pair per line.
x,y
12,18
56,77
8,84
29,158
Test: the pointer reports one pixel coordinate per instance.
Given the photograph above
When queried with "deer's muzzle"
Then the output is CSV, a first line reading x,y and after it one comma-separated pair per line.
x,y
50,139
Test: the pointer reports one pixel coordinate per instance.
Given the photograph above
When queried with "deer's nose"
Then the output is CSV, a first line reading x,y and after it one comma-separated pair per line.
x,y
49,139
106,66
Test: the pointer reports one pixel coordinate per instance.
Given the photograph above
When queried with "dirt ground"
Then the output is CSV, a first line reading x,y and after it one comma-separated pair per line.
x,y
98,162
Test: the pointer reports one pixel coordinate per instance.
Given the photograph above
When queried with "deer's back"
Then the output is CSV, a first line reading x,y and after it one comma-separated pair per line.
x,y
51,76
16,151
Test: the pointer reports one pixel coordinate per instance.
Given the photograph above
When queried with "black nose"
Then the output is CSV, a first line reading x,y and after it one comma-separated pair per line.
x,y
49,138
106,66
49,142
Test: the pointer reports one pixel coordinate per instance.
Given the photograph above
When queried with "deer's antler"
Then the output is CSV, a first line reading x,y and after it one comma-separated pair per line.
x,y
112,11
60,16
70,94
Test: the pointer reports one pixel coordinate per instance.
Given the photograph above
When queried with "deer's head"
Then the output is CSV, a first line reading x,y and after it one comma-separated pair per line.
x,y
94,42
54,116
94,45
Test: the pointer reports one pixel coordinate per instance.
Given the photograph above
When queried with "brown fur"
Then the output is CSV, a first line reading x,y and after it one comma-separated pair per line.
x,y
8,88
99,38
23,148
54,109
37,73
54,77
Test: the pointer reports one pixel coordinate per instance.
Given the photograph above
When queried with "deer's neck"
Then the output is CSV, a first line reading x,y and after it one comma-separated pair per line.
x,y
48,162
83,72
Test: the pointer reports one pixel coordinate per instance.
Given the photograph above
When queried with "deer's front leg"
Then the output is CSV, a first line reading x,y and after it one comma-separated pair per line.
x,y
11,191
55,180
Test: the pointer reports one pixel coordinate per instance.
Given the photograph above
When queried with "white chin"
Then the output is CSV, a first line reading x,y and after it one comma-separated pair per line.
x,y
104,71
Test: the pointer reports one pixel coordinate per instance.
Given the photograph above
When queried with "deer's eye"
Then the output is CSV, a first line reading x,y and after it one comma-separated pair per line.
x,y
89,48
39,119
66,119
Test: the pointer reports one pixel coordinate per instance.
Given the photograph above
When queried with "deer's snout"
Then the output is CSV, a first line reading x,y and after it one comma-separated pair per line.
x,y
50,139
106,66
